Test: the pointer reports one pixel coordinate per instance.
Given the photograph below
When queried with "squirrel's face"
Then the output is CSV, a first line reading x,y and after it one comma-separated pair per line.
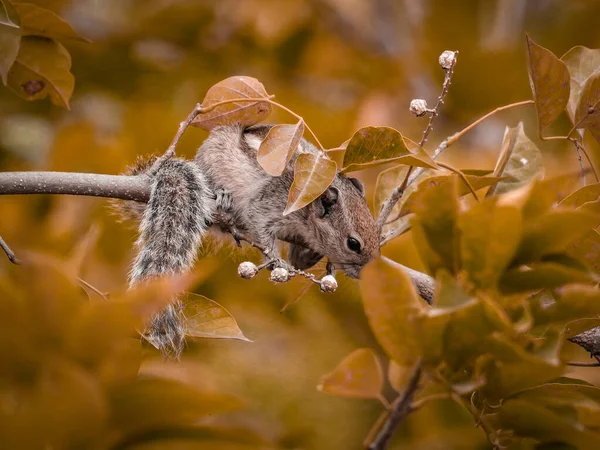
x,y
345,228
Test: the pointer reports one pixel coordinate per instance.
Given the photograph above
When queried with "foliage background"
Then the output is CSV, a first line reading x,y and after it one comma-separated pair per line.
x,y
341,65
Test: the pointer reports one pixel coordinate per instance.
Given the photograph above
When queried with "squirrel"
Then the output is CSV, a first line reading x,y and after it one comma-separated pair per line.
x,y
226,176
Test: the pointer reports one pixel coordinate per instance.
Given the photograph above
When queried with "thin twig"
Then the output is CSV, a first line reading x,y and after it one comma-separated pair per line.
x,y
9,253
462,177
182,127
389,204
400,409
583,364
92,288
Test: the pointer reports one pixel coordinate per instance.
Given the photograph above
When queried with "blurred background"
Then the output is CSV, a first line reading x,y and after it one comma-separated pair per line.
x,y
341,64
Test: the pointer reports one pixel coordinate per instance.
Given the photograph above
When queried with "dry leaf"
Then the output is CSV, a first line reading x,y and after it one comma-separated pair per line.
x,y
313,174
278,147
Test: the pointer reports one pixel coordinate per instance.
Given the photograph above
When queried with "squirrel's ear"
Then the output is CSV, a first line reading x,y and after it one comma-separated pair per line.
x,y
358,185
326,201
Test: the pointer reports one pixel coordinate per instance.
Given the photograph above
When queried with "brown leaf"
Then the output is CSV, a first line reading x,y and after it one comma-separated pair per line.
x,y
587,114
313,174
278,147
246,113
205,318
42,69
372,146
550,83
582,62
39,21
582,195
10,37
359,375
393,308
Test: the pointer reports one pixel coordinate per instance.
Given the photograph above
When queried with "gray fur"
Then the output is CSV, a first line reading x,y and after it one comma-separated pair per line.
x,y
171,229
228,159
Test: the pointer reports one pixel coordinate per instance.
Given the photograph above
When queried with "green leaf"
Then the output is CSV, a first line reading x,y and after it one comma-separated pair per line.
x,y
550,83
38,21
393,308
278,147
205,318
246,113
587,114
520,161
436,215
152,403
581,62
539,276
42,69
313,174
490,236
381,145
359,375
10,37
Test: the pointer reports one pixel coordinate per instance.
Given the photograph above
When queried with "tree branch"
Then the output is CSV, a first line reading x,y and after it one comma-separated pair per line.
x,y
122,187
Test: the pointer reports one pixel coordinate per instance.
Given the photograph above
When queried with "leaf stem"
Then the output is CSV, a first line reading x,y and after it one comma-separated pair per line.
x,y
462,177
9,253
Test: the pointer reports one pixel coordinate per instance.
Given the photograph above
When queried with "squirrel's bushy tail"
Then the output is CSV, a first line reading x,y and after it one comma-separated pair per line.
x,y
176,217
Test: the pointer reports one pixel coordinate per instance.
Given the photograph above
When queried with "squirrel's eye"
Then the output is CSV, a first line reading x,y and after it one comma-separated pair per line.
x,y
354,245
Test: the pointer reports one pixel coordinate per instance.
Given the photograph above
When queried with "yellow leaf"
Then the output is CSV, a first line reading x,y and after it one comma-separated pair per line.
x,y
393,308
313,174
581,62
42,69
550,83
38,21
205,318
587,114
246,113
359,375
278,147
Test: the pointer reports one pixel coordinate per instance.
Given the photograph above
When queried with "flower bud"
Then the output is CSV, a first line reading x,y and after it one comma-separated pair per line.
x,y
247,270
280,275
447,59
328,283
418,107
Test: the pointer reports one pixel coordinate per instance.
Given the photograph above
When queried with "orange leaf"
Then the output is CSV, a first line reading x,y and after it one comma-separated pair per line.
x,y
359,375
39,21
245,112
550,83
313,174
278,147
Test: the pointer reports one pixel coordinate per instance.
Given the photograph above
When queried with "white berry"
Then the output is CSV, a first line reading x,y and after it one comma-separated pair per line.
x,y
280,275
328,283
447,59
418,107
247,270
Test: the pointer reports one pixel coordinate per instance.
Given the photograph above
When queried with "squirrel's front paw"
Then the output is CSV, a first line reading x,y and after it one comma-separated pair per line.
x,y
278,263
224,201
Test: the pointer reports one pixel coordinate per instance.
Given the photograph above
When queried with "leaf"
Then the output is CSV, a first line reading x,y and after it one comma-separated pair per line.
x,y
160,403
245,113
552,232
10,37
393,309
585,194
359,375
587,250
568,304
42,69
38,21
539,276
490,236
372,146
278,147
436,215
550,83
581,62
587,114
520,161
399,376
531,420
205,318
313,174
